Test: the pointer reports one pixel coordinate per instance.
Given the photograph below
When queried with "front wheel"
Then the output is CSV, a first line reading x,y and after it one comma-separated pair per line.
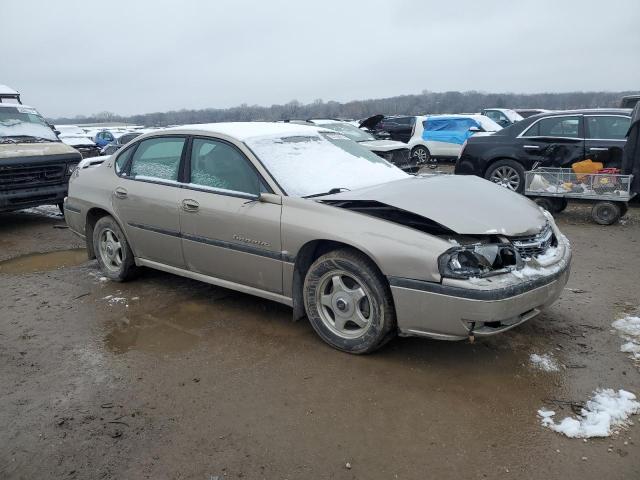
x,y
508,174
112,250
348,302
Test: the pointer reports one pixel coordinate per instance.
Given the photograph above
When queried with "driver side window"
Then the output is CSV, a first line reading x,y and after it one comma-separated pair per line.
x,y
218,165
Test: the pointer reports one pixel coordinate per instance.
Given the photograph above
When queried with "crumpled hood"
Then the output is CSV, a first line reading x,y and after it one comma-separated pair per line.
x,y
463,203
383,145
15,150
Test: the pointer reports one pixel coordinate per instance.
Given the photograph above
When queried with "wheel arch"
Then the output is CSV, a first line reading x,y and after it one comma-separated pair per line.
x,y
308,254
93,215
489,163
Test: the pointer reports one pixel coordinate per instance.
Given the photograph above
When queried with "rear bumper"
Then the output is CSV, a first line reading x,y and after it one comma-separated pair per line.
x,y
32,197
451,312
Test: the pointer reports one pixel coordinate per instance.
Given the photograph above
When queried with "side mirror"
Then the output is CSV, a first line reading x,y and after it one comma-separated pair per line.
x,y
270,198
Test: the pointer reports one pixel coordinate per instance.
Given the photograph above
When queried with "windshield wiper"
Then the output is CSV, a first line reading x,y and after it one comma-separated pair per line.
x,y
330,192
25,139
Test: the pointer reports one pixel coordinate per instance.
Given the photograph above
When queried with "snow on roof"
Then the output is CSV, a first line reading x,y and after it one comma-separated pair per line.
x,y
17,105
245,130
5,90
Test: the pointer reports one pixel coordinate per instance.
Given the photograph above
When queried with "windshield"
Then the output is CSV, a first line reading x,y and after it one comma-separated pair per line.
x,y
22,123
315,163
348,130
487,124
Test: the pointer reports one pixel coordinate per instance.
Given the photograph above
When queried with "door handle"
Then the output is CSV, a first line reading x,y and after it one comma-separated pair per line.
x,y
599,149
531,147
120,192
189,205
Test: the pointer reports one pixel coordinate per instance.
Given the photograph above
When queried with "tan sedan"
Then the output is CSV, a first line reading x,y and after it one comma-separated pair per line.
x,y
306,217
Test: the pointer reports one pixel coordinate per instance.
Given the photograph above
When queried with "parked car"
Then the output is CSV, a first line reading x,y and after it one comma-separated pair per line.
x,y
502,116
399,128
34,164
435,136
554,139
303,216
77,138
103,138
391,150
118,143
529,112
629,101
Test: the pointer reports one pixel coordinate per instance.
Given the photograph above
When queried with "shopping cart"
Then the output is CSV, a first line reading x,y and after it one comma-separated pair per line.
x,y
552,188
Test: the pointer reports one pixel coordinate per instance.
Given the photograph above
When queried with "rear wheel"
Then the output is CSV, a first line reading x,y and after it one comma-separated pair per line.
x,y
508,174
112,250
606,213
348,302
421,154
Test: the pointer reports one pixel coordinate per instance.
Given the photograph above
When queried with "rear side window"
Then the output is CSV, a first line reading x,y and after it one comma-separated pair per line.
x,y
555,127
158,159
218,165
607,128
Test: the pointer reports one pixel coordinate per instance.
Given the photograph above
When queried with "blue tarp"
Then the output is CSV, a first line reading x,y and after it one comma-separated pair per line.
x,y
448,129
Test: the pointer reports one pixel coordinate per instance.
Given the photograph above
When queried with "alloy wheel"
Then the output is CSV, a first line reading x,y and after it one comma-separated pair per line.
x,y
507,177
343,304
110,250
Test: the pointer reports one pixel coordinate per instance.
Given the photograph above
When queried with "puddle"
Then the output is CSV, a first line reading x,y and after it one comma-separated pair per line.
x,y
186,323
173,329
43,262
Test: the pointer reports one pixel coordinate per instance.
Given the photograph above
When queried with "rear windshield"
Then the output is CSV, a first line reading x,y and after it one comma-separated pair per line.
x,y
315,163
21,123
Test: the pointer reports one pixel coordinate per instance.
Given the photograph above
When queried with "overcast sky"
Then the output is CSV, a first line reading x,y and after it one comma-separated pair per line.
x,y
82,57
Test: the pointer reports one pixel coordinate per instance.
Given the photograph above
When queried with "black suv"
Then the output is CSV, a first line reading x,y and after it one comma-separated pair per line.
x,y
553,139
400,128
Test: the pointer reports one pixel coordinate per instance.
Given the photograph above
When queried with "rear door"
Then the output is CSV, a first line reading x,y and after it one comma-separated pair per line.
x,y
605,138
227,233
555,141
146,198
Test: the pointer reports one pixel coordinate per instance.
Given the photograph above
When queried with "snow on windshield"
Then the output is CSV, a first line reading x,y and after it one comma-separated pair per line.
x,y
24,121
318,162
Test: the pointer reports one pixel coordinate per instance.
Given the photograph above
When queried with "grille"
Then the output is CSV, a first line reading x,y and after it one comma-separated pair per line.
x,y
397,157
535,245
24,176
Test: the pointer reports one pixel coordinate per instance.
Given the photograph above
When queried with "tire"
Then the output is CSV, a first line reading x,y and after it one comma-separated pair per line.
x,y
561,204
421,154
606,213
112,250
348,302
506,173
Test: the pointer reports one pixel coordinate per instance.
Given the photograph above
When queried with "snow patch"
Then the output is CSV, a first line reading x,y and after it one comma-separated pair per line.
x,y
50,211
544,362
606,412
629,329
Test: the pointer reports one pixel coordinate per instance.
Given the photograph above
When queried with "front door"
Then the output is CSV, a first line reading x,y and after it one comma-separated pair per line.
x,y
146,198
605,138
556,141
226,232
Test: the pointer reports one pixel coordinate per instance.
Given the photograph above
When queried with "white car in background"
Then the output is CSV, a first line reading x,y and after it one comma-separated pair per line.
x,y
443,136
77,138
502,116
392,151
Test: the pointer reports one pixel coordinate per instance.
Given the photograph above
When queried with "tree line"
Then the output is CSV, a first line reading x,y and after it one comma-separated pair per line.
x,y
424,103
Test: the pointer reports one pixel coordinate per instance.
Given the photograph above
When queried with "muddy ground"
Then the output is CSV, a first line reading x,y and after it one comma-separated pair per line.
x,y
168,378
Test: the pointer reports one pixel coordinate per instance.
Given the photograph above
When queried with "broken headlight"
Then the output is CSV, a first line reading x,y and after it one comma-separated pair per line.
x,y
478,260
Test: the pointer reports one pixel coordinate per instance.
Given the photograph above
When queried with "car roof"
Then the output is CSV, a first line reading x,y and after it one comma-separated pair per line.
x,y
585,111
6,90
245,130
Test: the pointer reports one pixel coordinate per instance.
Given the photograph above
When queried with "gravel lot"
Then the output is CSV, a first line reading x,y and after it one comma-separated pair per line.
x,y
168,378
